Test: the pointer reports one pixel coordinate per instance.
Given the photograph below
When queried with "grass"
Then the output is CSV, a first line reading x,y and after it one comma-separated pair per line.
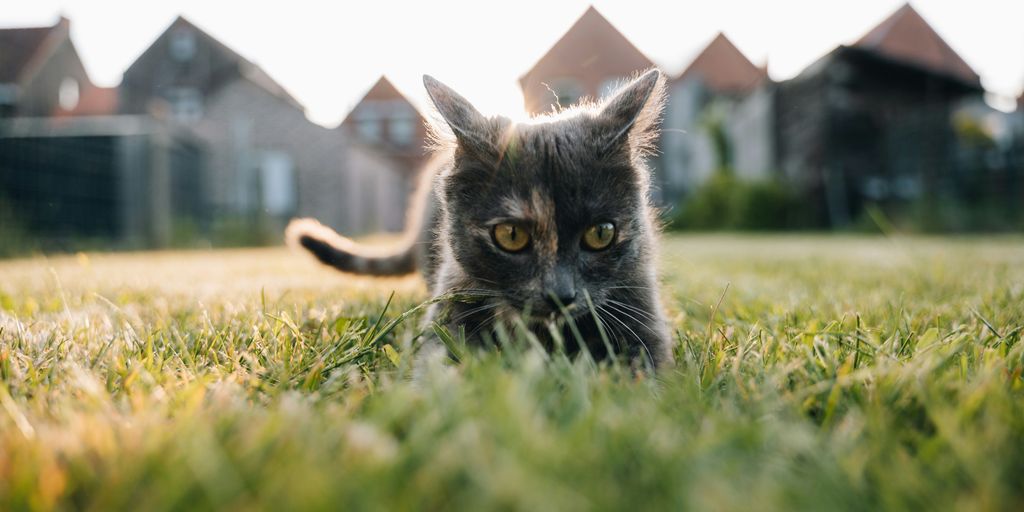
x,y
813,373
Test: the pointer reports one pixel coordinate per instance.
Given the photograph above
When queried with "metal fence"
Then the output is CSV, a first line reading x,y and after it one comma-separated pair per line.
x,y
120,183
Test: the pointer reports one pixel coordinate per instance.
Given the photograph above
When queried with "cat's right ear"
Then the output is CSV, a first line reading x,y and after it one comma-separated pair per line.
x,y
633,113
468,124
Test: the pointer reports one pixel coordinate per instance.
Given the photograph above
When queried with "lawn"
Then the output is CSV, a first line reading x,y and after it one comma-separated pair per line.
x,y
823,373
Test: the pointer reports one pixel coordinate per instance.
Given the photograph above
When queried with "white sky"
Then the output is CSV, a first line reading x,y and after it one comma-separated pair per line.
x,y
329,53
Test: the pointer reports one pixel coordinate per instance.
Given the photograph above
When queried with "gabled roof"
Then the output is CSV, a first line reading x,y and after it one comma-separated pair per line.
x,y
18,46
723,68
906,36
591,42
382,90
246,68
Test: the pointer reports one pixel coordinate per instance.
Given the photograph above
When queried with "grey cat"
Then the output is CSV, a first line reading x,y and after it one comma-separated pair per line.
x,y
546,224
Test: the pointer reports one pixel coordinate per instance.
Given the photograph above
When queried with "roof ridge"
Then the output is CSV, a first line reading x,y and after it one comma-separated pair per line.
x,y
30,41
889,36
723,71
248,69
590,13
382,82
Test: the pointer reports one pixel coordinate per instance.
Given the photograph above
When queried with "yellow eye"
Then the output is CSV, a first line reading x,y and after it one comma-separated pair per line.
x,y
599,236
510,237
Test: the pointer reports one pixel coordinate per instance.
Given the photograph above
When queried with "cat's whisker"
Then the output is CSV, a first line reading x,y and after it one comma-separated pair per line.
x,y
635,319
629,307
489,322
616,335
629,288
629,329
473,293
472,311
616,330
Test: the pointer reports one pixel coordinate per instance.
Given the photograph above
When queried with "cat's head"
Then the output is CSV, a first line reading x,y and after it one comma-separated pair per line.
x,y
550,211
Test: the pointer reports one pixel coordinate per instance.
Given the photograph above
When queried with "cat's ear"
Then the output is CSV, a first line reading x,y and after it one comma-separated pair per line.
x,y
632,114
467,124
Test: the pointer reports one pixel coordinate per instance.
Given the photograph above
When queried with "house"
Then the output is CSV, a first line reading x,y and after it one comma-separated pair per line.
x,y
266,162
713,93
69,169
872,121
40,71
590,59
385,119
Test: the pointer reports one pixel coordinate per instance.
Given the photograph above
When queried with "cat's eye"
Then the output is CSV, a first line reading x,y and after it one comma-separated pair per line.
x,y
510,237
599,236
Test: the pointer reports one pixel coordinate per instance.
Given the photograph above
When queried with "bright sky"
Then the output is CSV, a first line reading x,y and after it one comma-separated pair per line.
x,y
329,53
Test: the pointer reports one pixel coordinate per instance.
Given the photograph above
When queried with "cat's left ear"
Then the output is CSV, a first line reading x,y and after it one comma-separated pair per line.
x,y
632,114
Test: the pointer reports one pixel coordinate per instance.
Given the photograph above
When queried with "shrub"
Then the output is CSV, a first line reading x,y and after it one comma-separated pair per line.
x,y
727,203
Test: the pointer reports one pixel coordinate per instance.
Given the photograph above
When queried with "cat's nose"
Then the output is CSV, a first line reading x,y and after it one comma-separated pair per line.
x,y
561,288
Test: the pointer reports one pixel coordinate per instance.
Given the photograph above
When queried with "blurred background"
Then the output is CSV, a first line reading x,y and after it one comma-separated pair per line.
x,y
137,125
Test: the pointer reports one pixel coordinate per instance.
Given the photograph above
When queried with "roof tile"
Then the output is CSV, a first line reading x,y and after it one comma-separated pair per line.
x,y
723,68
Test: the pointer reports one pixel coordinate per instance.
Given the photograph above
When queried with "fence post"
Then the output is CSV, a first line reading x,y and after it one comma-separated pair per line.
x,y
159,192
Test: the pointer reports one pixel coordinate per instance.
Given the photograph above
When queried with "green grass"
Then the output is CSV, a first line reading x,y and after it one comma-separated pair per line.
x,y
836,373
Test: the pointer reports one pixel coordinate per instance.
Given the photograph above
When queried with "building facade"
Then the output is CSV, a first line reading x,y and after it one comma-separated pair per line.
x,y
40,71
266,161
873,122
711,105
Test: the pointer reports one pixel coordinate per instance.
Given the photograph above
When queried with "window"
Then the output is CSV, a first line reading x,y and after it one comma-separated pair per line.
x,y
8,92
402,131
183,44
277,176
67,94
186,104
368,123
567,91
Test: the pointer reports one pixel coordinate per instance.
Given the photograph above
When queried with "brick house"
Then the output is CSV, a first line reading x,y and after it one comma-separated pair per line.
x,y
266,161
40,71
590,59
385,120
714,89
70,169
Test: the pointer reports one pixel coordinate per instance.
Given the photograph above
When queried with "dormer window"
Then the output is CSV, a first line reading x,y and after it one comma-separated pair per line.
x,y
183,44
402,125
402,130
368,123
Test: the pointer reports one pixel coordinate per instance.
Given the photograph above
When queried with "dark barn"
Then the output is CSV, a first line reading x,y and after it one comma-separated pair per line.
x,y
873,123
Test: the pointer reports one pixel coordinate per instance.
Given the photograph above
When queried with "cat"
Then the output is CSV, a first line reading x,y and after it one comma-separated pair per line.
x,y
545,224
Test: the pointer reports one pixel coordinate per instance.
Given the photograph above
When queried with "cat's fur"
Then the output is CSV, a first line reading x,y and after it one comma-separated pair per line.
x,y
557,174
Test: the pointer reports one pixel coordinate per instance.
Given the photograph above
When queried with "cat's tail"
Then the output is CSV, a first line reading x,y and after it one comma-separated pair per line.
x,y
349,256
407,255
